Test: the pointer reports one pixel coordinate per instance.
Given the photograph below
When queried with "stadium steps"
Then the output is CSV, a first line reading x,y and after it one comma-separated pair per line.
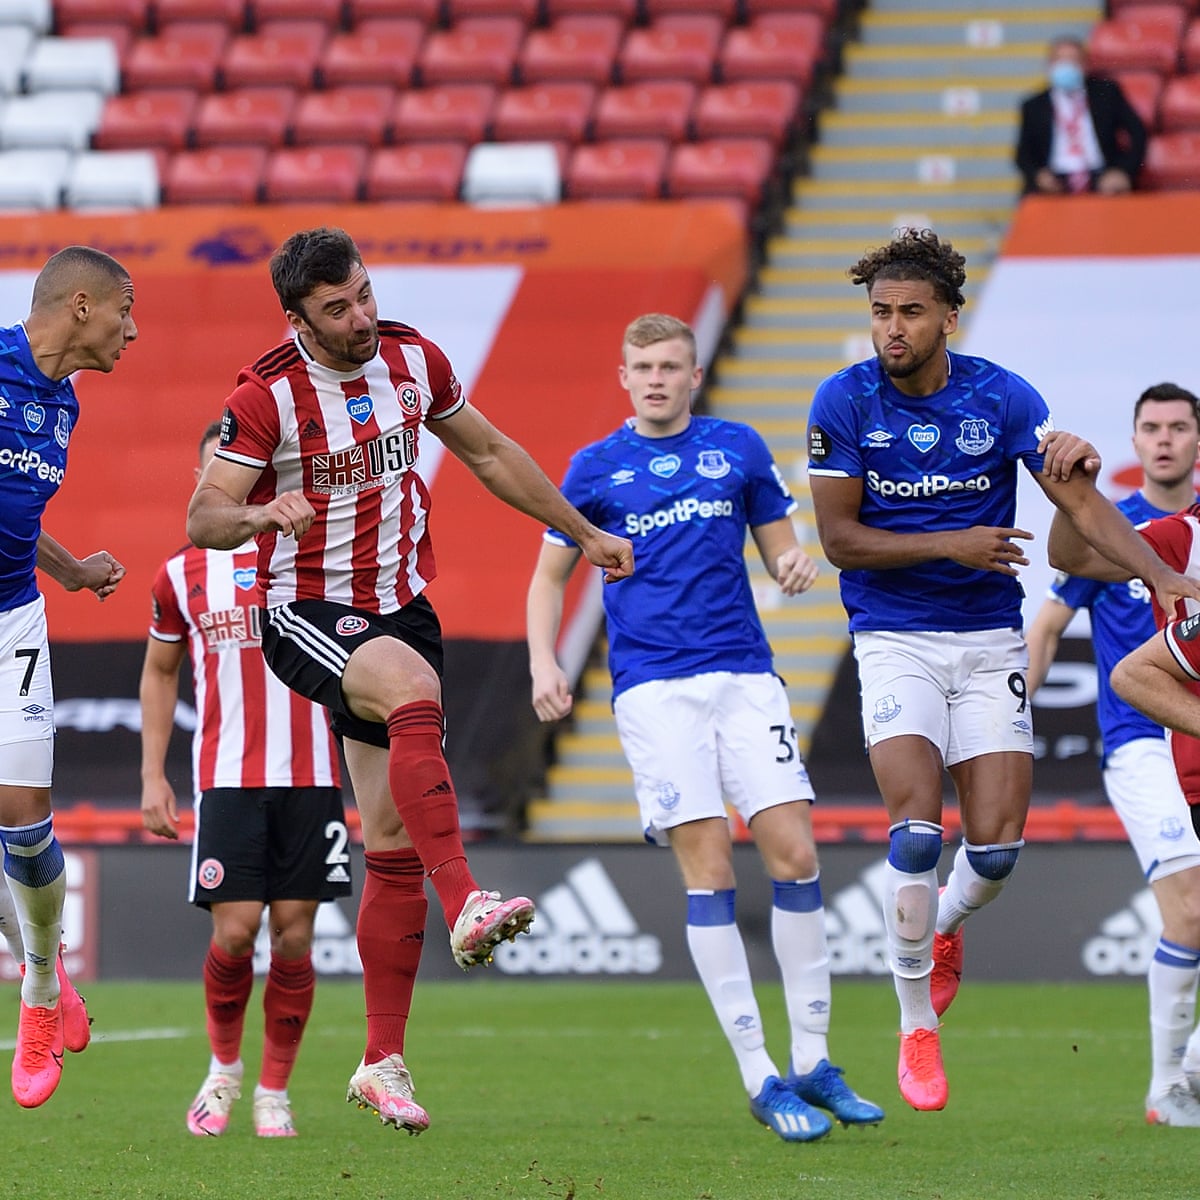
x,y
921,132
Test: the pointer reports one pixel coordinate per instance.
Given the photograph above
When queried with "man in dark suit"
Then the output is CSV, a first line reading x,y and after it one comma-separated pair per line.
x,y
1081,134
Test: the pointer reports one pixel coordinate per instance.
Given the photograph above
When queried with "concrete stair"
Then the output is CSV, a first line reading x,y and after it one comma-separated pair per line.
x,y
921,132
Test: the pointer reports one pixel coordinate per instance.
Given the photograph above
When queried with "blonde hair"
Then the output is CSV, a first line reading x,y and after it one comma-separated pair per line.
x,y
658,327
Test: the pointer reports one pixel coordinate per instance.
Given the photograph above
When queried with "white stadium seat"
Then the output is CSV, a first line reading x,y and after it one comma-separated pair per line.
x,y
512,173
38,15
15,42
112,179
64,119
59,62
32,179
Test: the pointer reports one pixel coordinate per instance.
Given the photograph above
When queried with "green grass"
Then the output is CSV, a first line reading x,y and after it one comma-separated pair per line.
x,y
615,1092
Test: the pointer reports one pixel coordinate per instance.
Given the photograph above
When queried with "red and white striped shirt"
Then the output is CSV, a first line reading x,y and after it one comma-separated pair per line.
x,y
251,729
349,441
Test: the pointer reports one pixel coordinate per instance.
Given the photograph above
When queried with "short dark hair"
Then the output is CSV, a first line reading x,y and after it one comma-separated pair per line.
x,y
308,259
1167,391
916,254
1066,39
212,430
73,267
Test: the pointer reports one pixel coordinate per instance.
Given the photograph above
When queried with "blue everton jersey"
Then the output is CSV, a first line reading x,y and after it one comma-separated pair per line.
x,y
1122,619
36,418
946,461
685,502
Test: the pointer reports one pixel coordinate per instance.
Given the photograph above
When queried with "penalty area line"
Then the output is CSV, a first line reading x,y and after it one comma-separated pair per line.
x,y
123,1035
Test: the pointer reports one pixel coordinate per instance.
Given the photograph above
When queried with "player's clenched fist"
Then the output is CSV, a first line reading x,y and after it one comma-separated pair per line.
x,y
290,513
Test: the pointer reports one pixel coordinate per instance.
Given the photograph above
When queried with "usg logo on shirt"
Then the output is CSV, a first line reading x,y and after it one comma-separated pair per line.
x,y
927,485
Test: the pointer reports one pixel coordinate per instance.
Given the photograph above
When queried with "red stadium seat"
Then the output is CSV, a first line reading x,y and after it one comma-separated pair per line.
x,y
1119,8
344,114
573,48
230,13
747,109
827,10
737,167
1143,90
459,112
250,116
727,10
285,56
544,112
121,36
328,12
627,169
1172,162
146,120
418,171
221,175
769,50
656,108
425,11
624,10
666,51
526,10
1180,106
1191,47
477,50
185,56
1146,38
315,174
133,14
374,53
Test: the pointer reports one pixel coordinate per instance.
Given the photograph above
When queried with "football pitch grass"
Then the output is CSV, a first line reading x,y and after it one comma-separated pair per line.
x,y
616,1091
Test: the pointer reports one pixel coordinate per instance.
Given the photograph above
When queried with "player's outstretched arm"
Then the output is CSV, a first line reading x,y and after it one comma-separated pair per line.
x,y
1152,681
782,555
99,573
552,699
158,691
509,472
220,519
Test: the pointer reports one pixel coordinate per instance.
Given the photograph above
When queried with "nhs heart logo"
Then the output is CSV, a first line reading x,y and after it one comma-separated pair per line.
x,y
35,417
924,437
360,408
244,577
666,465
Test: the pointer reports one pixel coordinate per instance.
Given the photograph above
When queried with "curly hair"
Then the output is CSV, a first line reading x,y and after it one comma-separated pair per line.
x,y
916,254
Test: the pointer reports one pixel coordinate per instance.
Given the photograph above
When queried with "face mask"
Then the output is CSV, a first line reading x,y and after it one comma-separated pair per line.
x,y
1066,76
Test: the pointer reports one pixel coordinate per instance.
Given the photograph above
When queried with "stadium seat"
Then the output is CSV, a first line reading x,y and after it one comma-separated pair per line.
x,y
32,179
774,49
376,52
48,120
249,116
737,167
14,49
328,12
512,173
140,120
417,171
121,36
455,112
478,50
230,13
827,10
285,56
220,175
1172,162
727,10
669,51
315,174
1118,8
425,11
1191,46
656,108
573,48
544,112
1146,38
184,56
1143,90
747,109
133,14
1180,105
624,10
627,169
112,179
360,115
59,62
37,15
526,10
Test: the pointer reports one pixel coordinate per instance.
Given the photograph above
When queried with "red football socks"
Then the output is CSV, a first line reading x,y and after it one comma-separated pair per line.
x,y
287,1001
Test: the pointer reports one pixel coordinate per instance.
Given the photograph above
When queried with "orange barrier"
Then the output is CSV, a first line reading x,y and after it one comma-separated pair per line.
x,y
1142,224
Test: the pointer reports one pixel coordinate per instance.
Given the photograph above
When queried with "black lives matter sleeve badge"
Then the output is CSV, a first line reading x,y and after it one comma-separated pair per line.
x,y
818,444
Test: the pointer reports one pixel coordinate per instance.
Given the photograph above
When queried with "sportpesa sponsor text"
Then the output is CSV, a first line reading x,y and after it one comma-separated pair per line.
x,y
30,462
927,485
640,524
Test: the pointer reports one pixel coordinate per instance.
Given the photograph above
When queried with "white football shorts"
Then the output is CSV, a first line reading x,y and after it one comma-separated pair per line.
x,y
697,742
1142,787
964,692
26,698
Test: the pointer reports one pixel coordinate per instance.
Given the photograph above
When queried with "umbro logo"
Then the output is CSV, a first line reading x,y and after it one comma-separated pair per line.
x,y
584,927
311,430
